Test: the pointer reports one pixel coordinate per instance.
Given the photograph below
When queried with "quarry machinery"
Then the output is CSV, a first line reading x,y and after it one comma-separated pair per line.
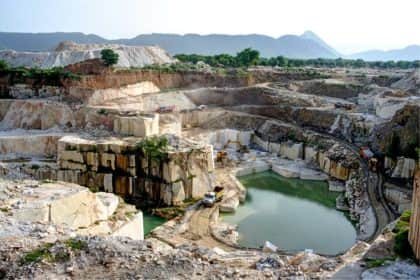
x,y
368,155
210,198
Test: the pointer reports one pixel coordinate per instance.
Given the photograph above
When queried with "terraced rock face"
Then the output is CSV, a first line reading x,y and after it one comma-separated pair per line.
x,y
69,53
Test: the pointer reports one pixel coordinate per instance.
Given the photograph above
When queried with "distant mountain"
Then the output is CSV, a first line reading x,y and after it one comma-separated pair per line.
x,y
37,42
312,36
307,45
289,45
408,53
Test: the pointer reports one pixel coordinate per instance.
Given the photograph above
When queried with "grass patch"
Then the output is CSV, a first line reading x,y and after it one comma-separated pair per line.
x,y
38,254
61,255
76,244
379,262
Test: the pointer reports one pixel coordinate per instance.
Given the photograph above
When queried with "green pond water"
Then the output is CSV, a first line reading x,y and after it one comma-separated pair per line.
x,y
150,222
293,214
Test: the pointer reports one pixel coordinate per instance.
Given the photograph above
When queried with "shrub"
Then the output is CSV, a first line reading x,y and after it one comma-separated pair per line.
x,y
4,66
402,246
154,147
75,244
38,254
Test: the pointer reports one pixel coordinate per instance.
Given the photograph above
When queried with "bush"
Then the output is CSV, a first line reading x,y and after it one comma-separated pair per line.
x,y
402,246
109,56
4,66
154,147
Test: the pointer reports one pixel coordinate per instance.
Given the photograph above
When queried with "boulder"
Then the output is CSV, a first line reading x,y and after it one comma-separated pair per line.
x,y
307,261
229,205
110,202
269,247
310,174
336,186
286,171
132,229
80,209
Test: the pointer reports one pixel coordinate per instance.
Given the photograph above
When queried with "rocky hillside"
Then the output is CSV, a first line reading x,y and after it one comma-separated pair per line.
x,y
69,53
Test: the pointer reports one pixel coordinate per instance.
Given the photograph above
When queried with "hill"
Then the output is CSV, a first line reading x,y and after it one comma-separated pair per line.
x,y
289,45
408,53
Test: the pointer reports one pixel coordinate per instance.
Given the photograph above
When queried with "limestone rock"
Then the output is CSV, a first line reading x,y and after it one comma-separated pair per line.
x,y
269,247
404,168
286,171
110,202
229,205
308,262
291,150
336,186
132,229
70,52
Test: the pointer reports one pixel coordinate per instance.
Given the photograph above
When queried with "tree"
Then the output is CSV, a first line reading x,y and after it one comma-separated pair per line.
x,y
4,66
247,57
109,56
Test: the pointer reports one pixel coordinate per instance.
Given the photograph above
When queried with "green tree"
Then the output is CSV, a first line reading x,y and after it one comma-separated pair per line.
x,y
109,56
247,57
4,66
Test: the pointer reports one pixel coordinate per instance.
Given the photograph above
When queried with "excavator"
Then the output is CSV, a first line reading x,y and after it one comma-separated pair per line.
x,y
221,155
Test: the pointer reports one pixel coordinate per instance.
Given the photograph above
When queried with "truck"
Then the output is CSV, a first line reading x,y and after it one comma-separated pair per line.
x,y
210,198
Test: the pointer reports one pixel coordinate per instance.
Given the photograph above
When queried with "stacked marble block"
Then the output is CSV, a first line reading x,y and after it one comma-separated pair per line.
x,y
332,161
117,165
140,126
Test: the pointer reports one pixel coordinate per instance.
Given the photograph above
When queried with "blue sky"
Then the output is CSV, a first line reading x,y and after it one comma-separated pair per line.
x,y
347,25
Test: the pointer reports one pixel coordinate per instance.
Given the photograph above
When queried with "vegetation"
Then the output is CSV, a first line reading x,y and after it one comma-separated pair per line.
x,y
412,148
169,68
75,244
378,262
250,57
109,56
402,247
38,254
54,76
45,252
154,147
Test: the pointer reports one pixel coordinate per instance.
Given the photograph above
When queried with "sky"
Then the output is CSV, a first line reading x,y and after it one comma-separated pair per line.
x,y
347,25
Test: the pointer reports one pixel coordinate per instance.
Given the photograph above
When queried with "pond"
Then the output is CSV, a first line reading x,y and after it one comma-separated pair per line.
x,y
293,214
150,222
